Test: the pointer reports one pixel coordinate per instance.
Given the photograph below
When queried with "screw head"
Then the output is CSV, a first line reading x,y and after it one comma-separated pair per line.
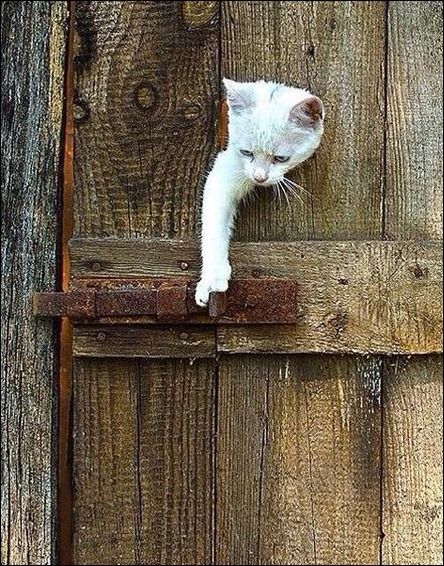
x,y
418,272
101,337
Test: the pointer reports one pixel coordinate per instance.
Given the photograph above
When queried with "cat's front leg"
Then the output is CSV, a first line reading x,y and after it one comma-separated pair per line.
x,y
218,208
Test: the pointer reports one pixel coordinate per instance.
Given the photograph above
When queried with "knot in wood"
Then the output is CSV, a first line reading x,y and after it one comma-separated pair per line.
x,y
191,111
199,14
145,96
418,271
338,322
80,111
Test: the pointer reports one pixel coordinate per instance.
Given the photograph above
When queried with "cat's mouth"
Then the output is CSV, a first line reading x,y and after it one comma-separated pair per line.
x,y
267,183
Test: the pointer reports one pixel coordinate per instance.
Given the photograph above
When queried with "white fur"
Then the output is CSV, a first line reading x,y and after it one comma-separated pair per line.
x,y
267,119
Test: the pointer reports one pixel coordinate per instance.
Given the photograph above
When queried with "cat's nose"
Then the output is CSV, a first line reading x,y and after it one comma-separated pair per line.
x,y
260,176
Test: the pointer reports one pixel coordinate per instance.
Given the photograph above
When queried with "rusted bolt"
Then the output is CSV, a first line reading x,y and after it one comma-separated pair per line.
x,y
184,265
96,266
101,337
217,304
184,336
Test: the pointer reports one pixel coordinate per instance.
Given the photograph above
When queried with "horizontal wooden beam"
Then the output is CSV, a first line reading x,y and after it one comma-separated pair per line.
x,y
144,342
364,297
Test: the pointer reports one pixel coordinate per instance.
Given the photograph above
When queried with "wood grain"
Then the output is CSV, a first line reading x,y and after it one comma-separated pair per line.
x,y
336,49
412,440
414,201
142,342
364,297
413,458
143,461
298,460
145,110
33,50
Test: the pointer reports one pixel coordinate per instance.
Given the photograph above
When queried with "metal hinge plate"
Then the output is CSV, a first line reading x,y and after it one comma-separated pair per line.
x,y
247,301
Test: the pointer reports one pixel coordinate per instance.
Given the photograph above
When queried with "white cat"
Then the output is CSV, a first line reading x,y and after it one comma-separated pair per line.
x,y
272,128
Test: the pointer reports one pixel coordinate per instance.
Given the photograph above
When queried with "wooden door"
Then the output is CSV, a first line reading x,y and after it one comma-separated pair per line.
x,y
315,443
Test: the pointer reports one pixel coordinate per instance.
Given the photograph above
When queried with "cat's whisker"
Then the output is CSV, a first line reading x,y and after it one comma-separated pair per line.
x,y
286,196
298,187
294,193
279,193
281,190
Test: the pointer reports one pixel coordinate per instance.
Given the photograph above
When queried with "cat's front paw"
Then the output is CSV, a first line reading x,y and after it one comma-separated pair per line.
x,y
205,287
218,282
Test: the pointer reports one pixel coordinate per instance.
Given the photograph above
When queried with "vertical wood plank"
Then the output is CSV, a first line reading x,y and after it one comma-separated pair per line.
x,y
145,111
414,114
412,442
106,512
413,461
146,78
176,415
309,44
298,460
33,51
143,434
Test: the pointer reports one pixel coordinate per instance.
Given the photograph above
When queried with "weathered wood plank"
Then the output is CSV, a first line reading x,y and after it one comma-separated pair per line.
x,y
353,296
143,434
414,201
33,51
140,342
145,109
106,514
413,457
298,460
309,44
412,440
146,82
177,408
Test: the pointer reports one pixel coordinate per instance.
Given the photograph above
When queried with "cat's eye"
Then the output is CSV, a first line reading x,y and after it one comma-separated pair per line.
x,y
280,158
246,153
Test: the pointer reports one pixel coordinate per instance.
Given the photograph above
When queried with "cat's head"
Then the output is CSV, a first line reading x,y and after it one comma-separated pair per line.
x,y
272,127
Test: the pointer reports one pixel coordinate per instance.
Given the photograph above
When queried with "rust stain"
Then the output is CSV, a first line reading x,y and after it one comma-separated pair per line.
x,y
64,499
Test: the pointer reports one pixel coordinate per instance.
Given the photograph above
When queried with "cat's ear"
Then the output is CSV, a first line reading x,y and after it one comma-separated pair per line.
x,y
308,113
239,95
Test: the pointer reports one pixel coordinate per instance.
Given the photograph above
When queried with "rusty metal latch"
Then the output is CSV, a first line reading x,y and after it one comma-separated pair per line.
x,y
248,301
